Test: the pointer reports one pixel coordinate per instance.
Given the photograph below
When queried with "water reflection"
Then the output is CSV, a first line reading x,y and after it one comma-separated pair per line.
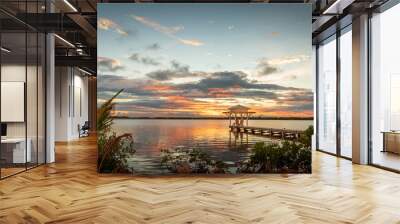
x,y
239,140
212,136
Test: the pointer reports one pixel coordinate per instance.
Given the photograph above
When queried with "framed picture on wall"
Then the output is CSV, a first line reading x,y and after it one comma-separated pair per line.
x,y
13,101
204,88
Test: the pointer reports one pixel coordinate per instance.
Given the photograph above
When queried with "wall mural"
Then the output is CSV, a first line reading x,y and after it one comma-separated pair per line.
x,y
204,88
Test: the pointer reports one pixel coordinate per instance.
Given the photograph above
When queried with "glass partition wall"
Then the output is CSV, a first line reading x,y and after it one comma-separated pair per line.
x,y
22,76
345,61
326,109
385,89
334,105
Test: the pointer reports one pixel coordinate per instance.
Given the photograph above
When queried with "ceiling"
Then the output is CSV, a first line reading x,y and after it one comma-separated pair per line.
x,y
75,21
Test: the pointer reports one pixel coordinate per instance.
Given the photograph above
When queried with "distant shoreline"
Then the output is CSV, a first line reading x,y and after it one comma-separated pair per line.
x,y
213,118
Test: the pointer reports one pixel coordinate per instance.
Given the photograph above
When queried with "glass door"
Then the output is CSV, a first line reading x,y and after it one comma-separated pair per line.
x,y
14,153
22,77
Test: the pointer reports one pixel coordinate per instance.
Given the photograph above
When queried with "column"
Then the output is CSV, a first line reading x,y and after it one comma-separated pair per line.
x,y
50,92
50,98
360,90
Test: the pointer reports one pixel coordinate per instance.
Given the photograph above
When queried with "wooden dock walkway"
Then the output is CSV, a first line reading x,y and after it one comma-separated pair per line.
x,y
268,132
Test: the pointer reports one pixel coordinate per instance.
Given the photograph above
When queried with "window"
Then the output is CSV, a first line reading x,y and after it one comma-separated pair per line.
x,y
385,89
327,95
22,88
346,92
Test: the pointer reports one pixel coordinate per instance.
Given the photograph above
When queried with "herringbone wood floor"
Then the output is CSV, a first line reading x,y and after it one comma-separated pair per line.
x,y
70,191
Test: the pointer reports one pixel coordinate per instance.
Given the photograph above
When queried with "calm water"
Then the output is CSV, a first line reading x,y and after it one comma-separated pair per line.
x,y
213,136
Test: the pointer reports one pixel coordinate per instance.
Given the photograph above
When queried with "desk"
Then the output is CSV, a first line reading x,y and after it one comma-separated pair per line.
x,y
15,148
391,141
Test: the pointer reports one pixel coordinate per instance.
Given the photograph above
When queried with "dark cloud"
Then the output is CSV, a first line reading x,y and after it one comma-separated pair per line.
x,y
177,70
228,79
297,107
113,83
144,60
257,94
179,67
153,47
149,61
109,64
152,103
265,68
154,96
135,57
136,110
301,107
298,96
215,85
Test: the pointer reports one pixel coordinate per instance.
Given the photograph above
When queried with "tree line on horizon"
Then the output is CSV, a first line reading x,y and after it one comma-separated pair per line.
x,y
216,118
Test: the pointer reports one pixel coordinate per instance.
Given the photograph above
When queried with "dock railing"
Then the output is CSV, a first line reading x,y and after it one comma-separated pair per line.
x,y
268,132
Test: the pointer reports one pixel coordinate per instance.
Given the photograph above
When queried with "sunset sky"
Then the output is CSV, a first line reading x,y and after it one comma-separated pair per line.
x,y
186,60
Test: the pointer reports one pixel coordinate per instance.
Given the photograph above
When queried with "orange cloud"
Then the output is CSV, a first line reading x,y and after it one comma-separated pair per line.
x,y
193,42
158,88
220,92
177,98
169,31
107,24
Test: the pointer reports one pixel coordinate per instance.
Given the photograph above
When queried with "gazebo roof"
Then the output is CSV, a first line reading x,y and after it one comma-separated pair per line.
x,y
239,108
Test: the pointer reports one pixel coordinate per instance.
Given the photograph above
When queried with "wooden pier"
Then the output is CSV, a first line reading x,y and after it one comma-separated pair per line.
x,y
240,116
267,132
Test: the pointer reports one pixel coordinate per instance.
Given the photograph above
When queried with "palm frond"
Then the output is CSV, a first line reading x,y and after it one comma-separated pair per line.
x,y
104,118
112,145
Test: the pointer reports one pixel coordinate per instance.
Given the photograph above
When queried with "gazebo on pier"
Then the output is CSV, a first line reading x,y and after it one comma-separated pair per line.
x,y
238,114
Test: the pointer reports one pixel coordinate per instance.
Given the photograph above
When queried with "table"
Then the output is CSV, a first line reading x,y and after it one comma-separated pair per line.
x,y
16,148
391,141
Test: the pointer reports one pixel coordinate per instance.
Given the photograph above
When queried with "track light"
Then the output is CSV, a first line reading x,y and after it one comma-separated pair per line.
x,y
332,7
5,50
84,71
64,40
70,5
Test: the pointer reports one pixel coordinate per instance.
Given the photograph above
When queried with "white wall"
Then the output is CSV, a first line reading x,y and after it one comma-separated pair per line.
x,y
62,81
71,94
80,110
16,73
12,73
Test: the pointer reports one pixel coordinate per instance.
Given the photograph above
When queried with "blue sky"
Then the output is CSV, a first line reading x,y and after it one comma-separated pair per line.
x,y
173,45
